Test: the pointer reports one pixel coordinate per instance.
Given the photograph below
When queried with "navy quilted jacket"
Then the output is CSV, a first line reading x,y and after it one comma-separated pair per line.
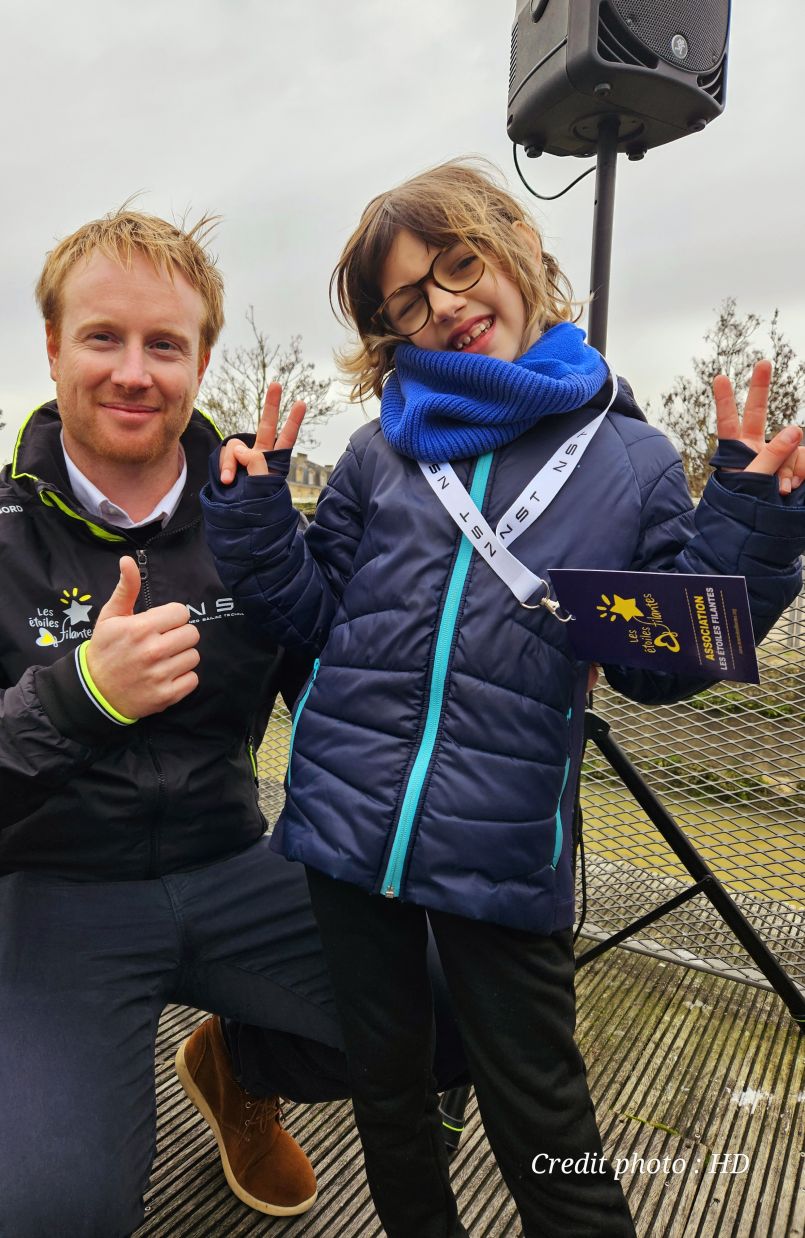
x,y
436,748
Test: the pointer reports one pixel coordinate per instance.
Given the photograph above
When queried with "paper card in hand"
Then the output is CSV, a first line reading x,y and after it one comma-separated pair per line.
x,y
660,621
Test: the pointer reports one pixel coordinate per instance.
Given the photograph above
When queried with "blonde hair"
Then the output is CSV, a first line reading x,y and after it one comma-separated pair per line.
x,y
458,200
123,233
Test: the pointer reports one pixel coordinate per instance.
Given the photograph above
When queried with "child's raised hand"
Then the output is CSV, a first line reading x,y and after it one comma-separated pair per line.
x,y
782,455
253,459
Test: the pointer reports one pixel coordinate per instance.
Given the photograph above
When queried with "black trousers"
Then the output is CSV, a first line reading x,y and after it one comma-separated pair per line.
x,y
86,969
513,998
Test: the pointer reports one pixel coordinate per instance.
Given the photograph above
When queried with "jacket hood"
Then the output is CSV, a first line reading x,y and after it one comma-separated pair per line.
x,y
623,403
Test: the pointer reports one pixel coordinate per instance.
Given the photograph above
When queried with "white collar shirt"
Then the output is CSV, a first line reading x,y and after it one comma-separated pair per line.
x,y
97,504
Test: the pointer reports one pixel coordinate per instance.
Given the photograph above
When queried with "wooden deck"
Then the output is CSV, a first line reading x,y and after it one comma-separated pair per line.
x,y
684,1067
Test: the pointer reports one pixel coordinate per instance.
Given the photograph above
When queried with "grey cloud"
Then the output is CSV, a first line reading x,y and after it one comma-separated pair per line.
x,y
286,118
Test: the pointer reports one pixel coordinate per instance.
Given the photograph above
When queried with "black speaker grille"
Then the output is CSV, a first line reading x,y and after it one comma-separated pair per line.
x,y
513,61
654,24
616,44
713,83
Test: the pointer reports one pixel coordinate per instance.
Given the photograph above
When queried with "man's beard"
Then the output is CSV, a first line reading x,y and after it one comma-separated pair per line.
x,y
116,446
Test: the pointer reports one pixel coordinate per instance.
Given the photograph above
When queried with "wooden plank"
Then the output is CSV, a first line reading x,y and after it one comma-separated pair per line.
x,y
682,1065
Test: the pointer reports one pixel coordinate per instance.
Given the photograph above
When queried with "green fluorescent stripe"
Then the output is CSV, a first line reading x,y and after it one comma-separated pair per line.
x,y
52,500
97,695
457,1129
252,758
557,850
208,418
441,665
17,444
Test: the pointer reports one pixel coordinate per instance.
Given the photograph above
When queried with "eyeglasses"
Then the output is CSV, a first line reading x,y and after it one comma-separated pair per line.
x,y
408,310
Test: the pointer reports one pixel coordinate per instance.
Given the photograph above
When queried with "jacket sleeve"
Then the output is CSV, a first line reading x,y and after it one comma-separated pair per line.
x,y
289,580
742,526
51,728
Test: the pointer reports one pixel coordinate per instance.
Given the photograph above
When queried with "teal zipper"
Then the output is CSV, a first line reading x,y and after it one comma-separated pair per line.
x,y
297,716
441,665
559,837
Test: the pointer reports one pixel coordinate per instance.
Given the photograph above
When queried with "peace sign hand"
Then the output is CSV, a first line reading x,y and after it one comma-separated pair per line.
x,y
253,459
782,455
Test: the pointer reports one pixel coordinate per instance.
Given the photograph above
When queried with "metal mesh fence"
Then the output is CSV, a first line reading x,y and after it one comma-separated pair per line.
x,y
730,766
272,761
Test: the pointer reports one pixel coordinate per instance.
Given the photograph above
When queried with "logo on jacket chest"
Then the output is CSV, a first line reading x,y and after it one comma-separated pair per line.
x,y
67,619
218,608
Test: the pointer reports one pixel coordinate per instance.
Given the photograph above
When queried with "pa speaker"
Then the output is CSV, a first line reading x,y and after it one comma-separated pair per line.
x,y
660,66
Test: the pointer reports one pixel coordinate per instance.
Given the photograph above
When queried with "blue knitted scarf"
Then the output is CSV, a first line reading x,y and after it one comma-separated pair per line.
x,y
449,405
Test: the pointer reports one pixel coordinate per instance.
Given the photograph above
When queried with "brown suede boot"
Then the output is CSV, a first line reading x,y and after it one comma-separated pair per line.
x,y
264,1165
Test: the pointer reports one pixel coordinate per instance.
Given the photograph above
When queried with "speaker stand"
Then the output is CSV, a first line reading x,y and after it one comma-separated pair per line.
x,y
705,881
603,213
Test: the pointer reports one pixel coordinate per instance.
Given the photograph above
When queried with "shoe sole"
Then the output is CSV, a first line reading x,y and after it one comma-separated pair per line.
x,y
259,1205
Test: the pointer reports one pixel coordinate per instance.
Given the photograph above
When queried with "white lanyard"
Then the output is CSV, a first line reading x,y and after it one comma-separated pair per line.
x,y
526,508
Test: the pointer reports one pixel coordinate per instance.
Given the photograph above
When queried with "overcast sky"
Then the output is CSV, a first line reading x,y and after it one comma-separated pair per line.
x,y
286,117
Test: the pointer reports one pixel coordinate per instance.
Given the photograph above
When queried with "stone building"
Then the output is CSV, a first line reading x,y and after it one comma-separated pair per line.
x,y
307,479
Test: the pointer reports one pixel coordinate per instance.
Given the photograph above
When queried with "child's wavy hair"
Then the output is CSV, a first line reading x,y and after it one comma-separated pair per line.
x,y
458,200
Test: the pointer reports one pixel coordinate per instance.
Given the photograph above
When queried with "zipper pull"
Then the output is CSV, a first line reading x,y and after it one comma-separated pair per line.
x,y
145,588
389,892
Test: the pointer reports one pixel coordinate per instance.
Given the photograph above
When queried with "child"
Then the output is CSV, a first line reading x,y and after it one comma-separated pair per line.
x,y
436,748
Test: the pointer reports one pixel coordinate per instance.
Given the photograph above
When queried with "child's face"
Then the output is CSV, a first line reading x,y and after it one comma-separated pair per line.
x,y
494,305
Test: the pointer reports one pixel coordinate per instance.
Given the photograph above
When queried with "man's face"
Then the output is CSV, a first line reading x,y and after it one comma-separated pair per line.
x,y
126,361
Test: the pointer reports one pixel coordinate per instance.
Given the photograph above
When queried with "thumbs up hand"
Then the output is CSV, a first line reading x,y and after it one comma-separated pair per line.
x,y
142,663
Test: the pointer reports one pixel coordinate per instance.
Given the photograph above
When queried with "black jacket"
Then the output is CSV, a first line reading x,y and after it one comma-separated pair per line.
x,y
79,794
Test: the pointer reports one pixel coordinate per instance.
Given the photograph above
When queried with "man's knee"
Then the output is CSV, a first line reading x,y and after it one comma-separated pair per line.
x,y
267,1061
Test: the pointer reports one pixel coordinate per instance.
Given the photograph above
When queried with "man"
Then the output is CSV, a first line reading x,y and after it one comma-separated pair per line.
x,y
134,870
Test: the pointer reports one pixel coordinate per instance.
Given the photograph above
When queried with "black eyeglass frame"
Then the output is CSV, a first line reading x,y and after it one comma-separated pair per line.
x,y
419,287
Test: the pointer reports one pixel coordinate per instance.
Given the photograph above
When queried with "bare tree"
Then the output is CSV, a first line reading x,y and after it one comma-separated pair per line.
x,y
688,410
234,392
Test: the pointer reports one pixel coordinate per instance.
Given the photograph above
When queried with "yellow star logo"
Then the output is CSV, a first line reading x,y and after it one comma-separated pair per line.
x,y
68,595
625,607
74,607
